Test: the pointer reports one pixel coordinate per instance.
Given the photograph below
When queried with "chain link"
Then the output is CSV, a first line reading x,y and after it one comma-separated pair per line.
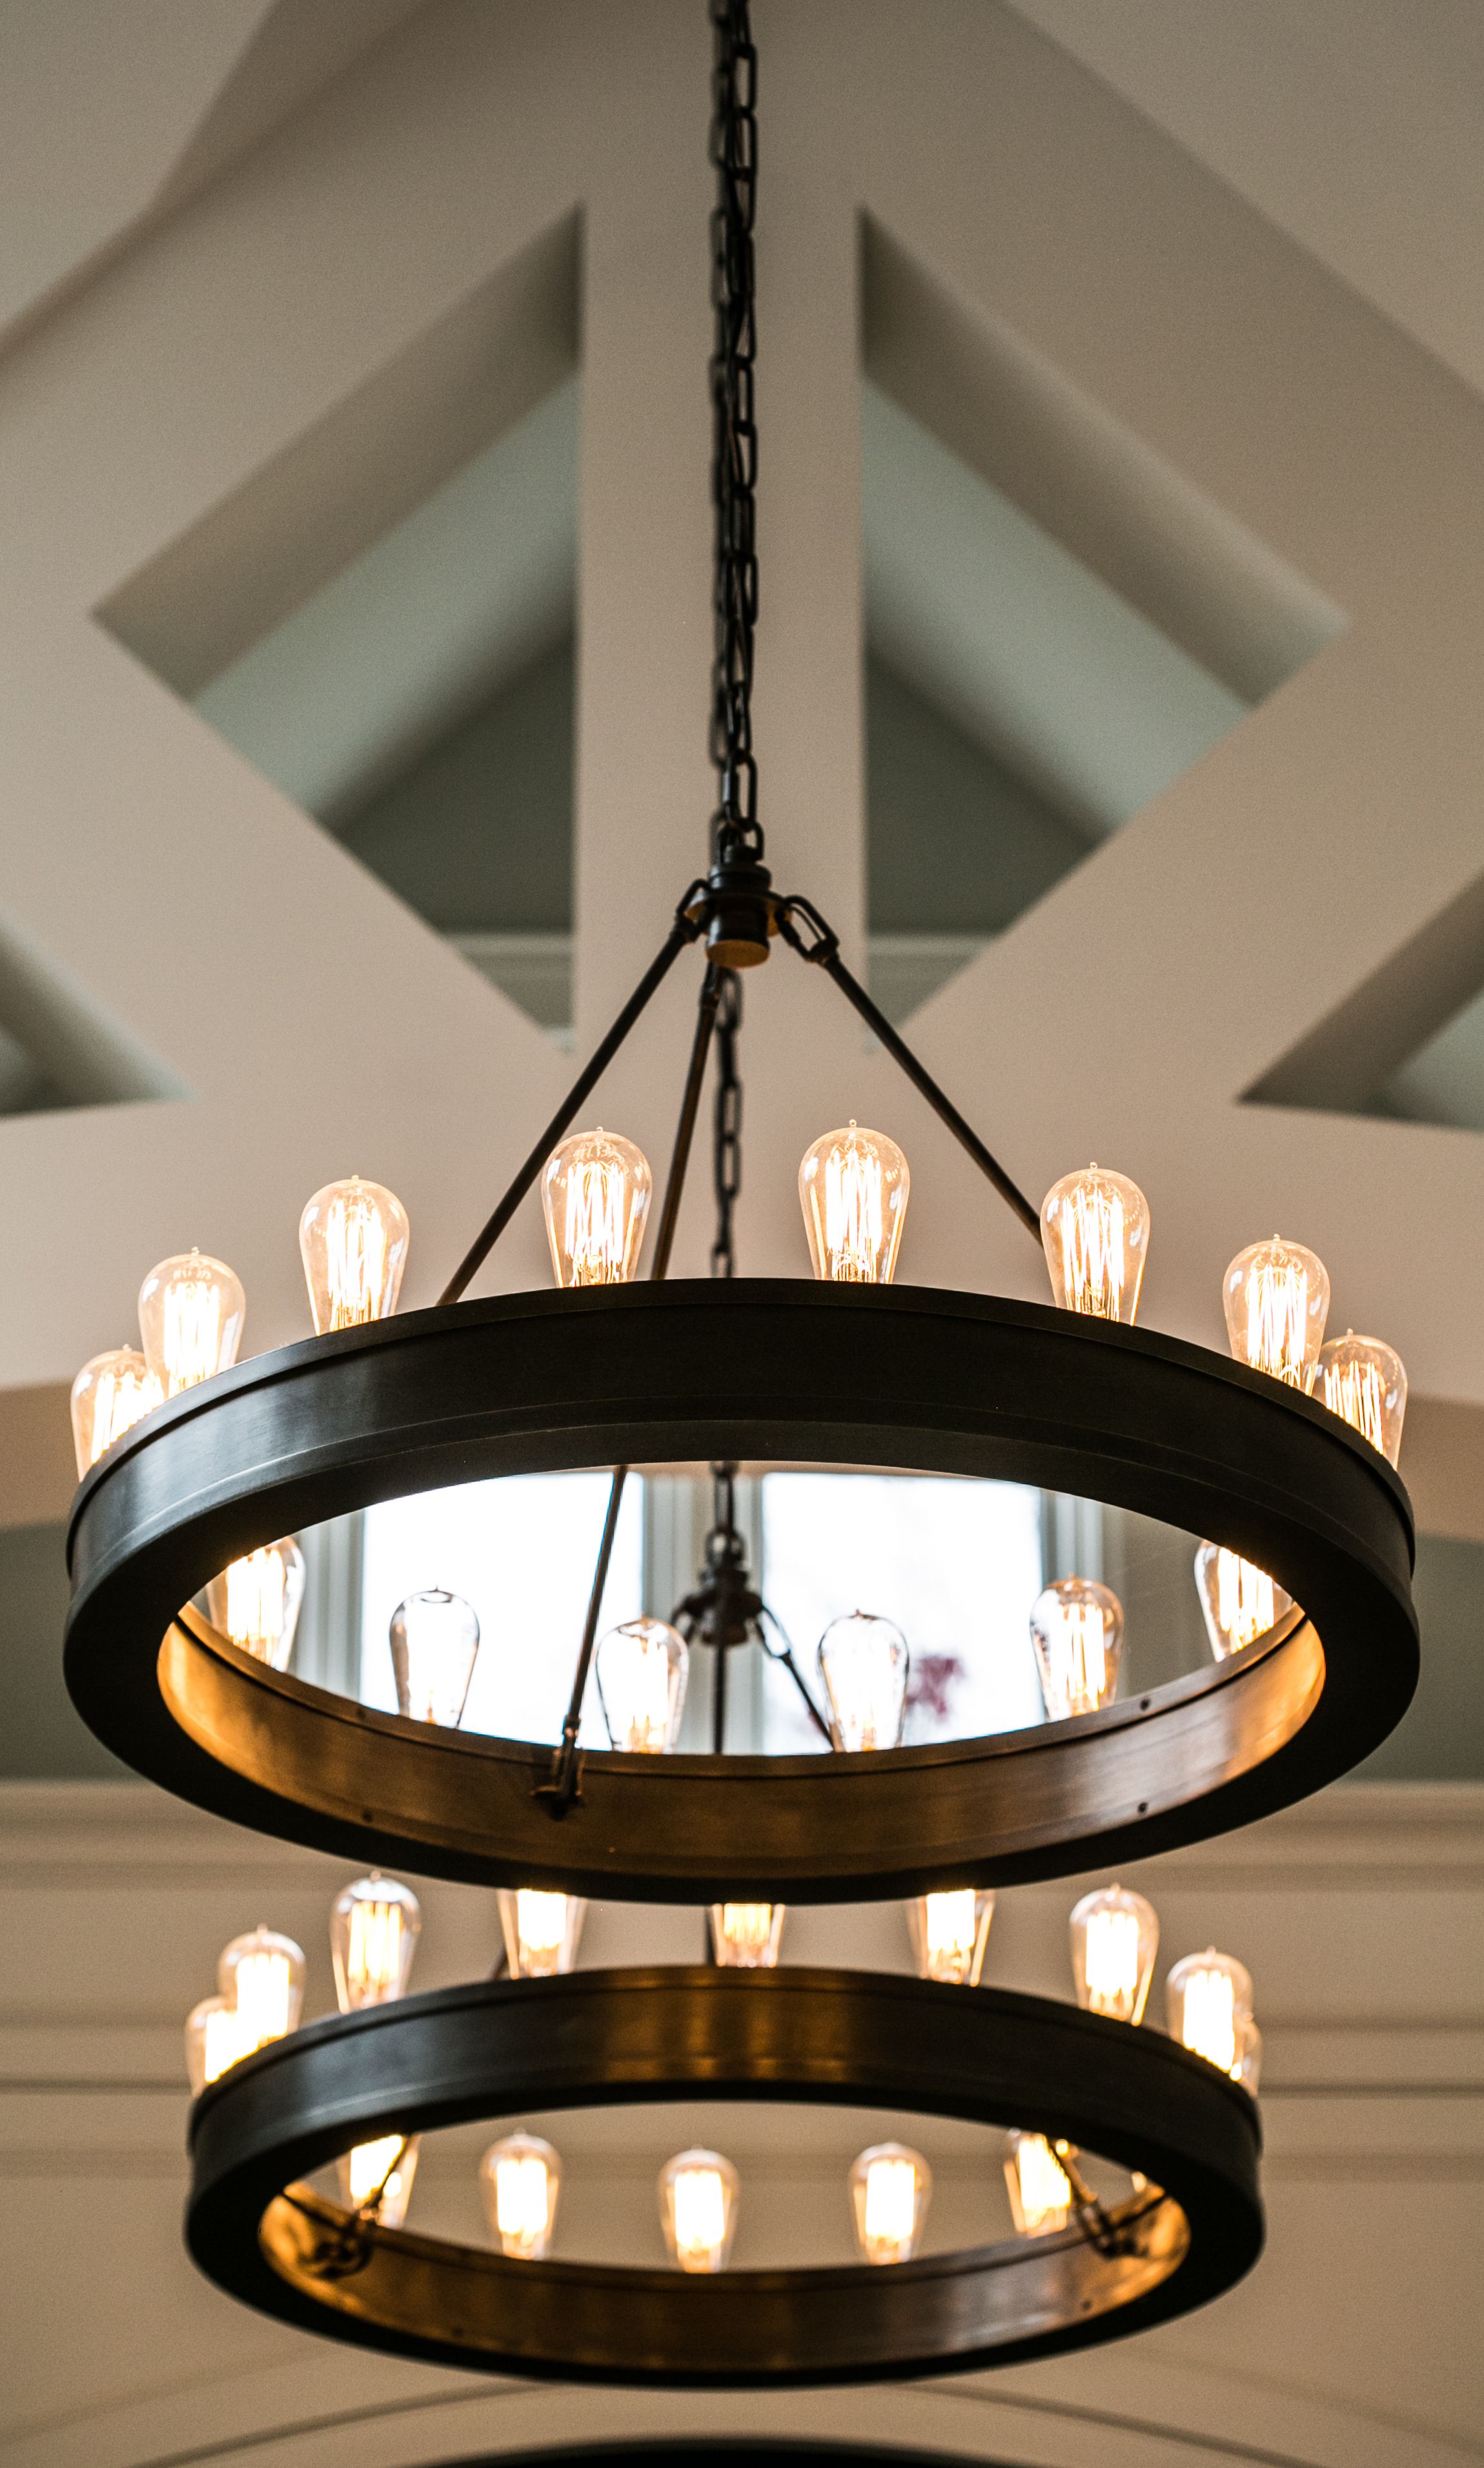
x,y
737,833
728,1168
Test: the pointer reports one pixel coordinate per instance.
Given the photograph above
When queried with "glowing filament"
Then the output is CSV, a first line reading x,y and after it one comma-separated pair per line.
x,y
595,1192
853,1186
1112,1960
522,2202
1210,2019
374,1962
256,1594
745,1936
355,1247
1040,2192
225,2040
891,2209
541,1920
1357,1392
1077,1630
265,1995
372,2173
700,2218
1276,1296
1244,1599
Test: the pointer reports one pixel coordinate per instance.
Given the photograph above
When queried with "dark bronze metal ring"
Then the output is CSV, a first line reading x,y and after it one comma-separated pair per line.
x,y
751,1369
605,2037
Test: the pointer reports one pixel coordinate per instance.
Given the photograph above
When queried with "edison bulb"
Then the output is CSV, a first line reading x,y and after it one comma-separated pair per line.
x,y
1077,1629
255,1602
1363,1382
1240,1602
262,1975
190,1314
352,1240
374,1929
950,1932
1208,2001
376,2177
890,2189
109,1396
540,1931
1115,1937
434,1639
1276,1297
1041,2191
697,2209
864,1662
854,1188
595,1194
745,1936
213,2040
519,2183
642,1669
1094,1229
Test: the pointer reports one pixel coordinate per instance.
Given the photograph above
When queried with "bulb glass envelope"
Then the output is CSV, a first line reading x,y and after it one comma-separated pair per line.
x,y
697,2209
890,2189
262,1975
595,1198
641,1671
434,1637
191,1314
542,1930
256,1601
1114,1938
1276,1297
373,1929
1208,2003
854,1187
519,2183
949,1934
352,1240
745,1936
1095,1236
377,2177
109,1395
864,1663
1077,1630
1039,2189
1364,1382
1238,1603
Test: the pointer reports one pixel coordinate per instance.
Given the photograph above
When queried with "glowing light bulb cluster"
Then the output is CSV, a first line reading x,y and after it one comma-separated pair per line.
x,y
1077,1627
434,1637
745,1936
1041,2191
352,1240
374,1931
864,1663
854,1187
595,1195
1095,1234
697,2209
520,2181
1208,2001
109,1396
1114,1939
890,2189
541,1932
949,1934
642,1670
191,1314
260,1984
255,1602
1240,1602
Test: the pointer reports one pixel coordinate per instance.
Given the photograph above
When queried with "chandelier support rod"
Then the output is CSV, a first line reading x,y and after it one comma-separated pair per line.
x,y
565,1782
825,953
684,930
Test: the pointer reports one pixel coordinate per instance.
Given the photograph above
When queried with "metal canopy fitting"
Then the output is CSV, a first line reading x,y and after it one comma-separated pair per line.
x,y
605,2037
751,1369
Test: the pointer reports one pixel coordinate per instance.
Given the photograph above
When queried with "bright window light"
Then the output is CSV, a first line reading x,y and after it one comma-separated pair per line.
x,y
521,1549
956,1564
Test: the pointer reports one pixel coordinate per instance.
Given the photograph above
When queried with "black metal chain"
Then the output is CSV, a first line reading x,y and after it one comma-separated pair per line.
x,y
737,833
727,1147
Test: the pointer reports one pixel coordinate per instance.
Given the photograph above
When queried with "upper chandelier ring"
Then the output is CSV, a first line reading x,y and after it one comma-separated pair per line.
x,y
756,1369
1191,2226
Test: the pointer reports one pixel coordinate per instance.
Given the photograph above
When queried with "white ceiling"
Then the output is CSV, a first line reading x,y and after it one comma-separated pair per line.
x,y
1355,125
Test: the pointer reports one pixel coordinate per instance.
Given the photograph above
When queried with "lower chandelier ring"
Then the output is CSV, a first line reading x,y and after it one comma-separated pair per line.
x,y
604,2038
748,1369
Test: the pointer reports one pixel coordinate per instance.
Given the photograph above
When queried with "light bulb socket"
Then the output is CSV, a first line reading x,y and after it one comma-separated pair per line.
x,y
737,907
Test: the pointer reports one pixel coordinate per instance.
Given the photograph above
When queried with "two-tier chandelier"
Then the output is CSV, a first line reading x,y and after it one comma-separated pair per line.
x,y
199,1469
